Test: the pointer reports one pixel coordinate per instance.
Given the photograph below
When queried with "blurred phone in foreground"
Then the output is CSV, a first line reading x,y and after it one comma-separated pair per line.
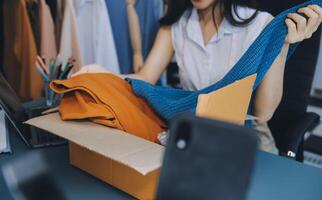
x,y
207,159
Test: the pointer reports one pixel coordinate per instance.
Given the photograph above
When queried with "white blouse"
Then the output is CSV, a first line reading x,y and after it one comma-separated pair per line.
x,y
201,65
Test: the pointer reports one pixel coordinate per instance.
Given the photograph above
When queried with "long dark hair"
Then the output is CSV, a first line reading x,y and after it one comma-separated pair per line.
x,y
176,9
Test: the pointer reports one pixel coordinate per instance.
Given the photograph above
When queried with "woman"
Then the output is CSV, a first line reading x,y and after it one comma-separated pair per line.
x,y
208,37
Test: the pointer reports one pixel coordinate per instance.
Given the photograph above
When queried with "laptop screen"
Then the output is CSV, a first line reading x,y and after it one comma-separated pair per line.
x,y
9,100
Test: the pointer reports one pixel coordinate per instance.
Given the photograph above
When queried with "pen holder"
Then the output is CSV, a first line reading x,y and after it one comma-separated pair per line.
x,y
53,69
48,94
52,99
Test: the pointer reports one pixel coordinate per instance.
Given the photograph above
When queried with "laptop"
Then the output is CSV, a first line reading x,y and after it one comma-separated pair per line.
x,y
10,104
207,159
18,112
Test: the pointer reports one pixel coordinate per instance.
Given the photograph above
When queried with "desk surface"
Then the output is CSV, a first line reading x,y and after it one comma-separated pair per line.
x,y
274,177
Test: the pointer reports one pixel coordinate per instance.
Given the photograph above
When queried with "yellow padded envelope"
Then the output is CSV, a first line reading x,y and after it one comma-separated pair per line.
x,y
228,104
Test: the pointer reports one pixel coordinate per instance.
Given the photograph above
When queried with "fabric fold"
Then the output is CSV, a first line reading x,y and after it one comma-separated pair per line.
x,y
20,51
258,59
108,100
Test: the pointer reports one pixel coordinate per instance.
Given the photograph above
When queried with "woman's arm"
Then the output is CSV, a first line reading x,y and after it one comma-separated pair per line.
x,y
135,34
269,94
157,61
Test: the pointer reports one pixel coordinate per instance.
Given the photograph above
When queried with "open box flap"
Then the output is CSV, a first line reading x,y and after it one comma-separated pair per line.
x,y
233,99
139,154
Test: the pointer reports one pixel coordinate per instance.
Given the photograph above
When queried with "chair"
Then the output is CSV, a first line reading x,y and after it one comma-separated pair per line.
x,y
291,120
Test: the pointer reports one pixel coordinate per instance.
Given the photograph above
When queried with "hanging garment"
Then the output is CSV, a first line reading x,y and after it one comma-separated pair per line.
x,y
48,47
59,16
33,13
20,51
119,22
1,37
108,100
68,36
257,60
149,12
53,8
95,34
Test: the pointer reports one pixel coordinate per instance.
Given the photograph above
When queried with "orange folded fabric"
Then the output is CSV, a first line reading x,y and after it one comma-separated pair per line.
x,y
108,100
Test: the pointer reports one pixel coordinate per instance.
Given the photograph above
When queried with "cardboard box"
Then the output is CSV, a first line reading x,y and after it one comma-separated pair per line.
x,y
125,161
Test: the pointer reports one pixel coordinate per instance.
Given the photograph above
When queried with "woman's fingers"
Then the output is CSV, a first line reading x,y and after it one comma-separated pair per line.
x,y
301,23
312,21
83,70
131,2
318,11
75,74
292,32
86,69
302,27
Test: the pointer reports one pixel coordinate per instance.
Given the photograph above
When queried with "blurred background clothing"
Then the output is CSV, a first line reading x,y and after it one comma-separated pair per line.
x,y
88,31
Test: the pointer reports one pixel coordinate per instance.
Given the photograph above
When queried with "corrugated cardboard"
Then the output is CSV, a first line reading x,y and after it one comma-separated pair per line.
x,y
129,163
217,106
115,173
125,161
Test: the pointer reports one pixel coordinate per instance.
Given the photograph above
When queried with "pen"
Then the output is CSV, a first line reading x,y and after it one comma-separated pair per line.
x,y
51,69
64,75
57,71
42,65
43,58
58,60
41,72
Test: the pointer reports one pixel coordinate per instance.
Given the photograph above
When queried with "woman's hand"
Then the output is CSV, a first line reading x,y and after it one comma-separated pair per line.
x,y
301,28
131,2
91,69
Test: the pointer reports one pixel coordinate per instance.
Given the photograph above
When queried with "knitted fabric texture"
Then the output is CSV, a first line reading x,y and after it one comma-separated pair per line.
x,y
257,60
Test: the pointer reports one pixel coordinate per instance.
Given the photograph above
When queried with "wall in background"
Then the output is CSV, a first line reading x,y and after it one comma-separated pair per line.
x,y
317,84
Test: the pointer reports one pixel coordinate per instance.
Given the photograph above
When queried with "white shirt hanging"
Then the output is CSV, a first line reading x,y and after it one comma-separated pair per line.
x,y
95,34
201,65
69,37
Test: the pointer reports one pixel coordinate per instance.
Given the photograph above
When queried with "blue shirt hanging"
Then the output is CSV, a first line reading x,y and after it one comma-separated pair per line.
x,y
149,12
119,22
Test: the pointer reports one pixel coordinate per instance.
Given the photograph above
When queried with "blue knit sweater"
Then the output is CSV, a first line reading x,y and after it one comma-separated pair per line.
x,y
257,60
